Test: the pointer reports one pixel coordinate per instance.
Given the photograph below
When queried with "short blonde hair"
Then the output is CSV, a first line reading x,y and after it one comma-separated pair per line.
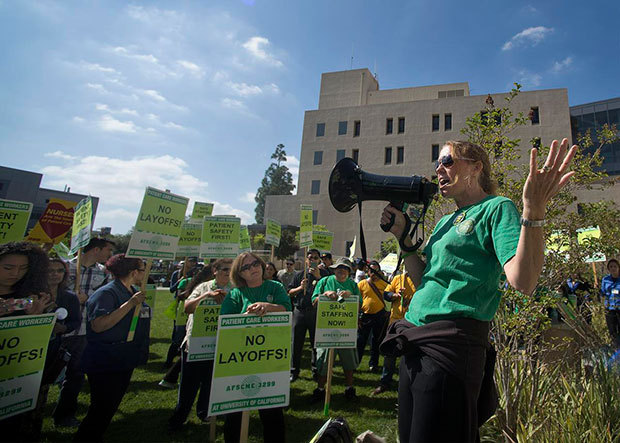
x,y
235,271
465,149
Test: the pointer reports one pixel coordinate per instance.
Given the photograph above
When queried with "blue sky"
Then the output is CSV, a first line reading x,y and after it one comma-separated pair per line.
x,y
193,96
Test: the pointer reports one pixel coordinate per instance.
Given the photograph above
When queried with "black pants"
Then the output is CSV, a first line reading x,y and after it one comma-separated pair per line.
x,y
303,320
376,324
612,318
74,379
106,392
273,426
178,334
172,376
194,376
434,406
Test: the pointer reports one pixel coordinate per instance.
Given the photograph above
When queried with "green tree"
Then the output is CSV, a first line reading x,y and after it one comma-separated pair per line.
x,y
277,181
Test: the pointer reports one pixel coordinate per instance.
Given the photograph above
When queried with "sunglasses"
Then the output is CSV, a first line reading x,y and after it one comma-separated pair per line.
x,y
249,266
290,264
447,161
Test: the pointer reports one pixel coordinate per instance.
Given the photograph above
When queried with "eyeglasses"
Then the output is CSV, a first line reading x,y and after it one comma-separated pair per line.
x,y
448,161
249,266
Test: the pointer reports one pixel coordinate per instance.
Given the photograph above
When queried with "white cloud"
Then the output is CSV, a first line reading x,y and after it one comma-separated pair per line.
x,y
97,87
231,103
102,107
59,154
110,124
151,93
125,111
256,46
529,79
248,197
193,68
292,163
531,36
120,184
562,65
173,125
97,67
148,58
77,119
245,90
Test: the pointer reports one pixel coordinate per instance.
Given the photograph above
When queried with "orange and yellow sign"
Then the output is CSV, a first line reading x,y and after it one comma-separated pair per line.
x,y
54,223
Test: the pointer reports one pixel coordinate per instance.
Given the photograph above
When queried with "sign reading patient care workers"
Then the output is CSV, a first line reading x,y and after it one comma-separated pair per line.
x,y
201,344
189,241
252,363
244,240
14,216
157,230
336,323
273,232
220,237
201,210
322,240
23,348
305,226
54,223
82,224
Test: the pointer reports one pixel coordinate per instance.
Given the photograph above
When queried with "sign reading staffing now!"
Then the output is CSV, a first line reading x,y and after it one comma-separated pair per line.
x,y
305,226
157,230
220,237
322,240
14,216
336,323
273,232
252,363
201,210
23,349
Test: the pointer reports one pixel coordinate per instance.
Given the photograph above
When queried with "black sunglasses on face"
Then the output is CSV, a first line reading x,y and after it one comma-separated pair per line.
x,y
448,161
249,266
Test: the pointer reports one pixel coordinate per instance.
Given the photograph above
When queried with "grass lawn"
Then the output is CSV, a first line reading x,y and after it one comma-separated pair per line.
x,y
146,407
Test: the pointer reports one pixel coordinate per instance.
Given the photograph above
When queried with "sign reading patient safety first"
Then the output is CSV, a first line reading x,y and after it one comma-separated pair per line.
x,y
252,363
23,348
157,230
220,237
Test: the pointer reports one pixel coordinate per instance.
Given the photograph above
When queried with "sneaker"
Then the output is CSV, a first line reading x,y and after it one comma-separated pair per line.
x,y
318,395
350,394
167,384
379,390
68,422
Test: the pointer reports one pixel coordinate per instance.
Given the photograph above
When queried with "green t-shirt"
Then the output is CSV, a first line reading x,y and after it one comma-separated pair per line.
x,y
330,283
465,258
238,299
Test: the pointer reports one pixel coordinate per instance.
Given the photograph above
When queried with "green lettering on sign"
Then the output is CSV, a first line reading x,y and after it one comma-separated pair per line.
x,y
14,216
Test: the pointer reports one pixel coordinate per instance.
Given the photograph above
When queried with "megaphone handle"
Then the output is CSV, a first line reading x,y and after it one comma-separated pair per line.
x,y
387,226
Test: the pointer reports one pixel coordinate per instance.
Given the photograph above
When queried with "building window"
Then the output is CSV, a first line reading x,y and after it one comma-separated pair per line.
x,y
340,153
534,115
315,216
316,187
389,125
357,126
435,122
342,128
447,122
388,156
356,155
320,129
401,125
400,155
318,157
434,152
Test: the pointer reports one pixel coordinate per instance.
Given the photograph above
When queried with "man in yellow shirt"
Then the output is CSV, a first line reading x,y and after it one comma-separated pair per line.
x,y
373,316
399,292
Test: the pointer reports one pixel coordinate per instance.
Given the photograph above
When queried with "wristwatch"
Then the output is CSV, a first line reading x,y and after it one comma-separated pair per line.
x,y
533,223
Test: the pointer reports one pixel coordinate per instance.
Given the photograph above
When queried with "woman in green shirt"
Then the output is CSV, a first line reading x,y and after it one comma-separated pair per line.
x,y
254,295
444,335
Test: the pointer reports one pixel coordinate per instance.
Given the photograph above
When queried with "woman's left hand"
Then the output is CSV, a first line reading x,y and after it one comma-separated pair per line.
x,y
39,304
543,184
259,308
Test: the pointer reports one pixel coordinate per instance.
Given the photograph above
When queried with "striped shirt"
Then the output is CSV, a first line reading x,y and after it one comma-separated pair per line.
x,y
91,278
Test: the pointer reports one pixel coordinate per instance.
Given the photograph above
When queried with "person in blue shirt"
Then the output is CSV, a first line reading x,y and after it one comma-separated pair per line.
x,y
610,293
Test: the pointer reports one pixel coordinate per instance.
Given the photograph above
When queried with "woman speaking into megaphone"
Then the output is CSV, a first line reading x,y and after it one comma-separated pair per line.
x,y
444,336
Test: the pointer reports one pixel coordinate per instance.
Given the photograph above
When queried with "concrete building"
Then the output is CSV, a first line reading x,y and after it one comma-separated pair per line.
x,y
20,185
392,132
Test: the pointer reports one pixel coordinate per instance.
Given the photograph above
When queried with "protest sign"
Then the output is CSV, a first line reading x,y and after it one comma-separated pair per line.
x,y
305,226
389,262
336,323
157,230
322,240
201,210
252,363
23,348
55,222
14,216
82,224
220,237
201,343
151,292
244,239
583,237
273,232
189,241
